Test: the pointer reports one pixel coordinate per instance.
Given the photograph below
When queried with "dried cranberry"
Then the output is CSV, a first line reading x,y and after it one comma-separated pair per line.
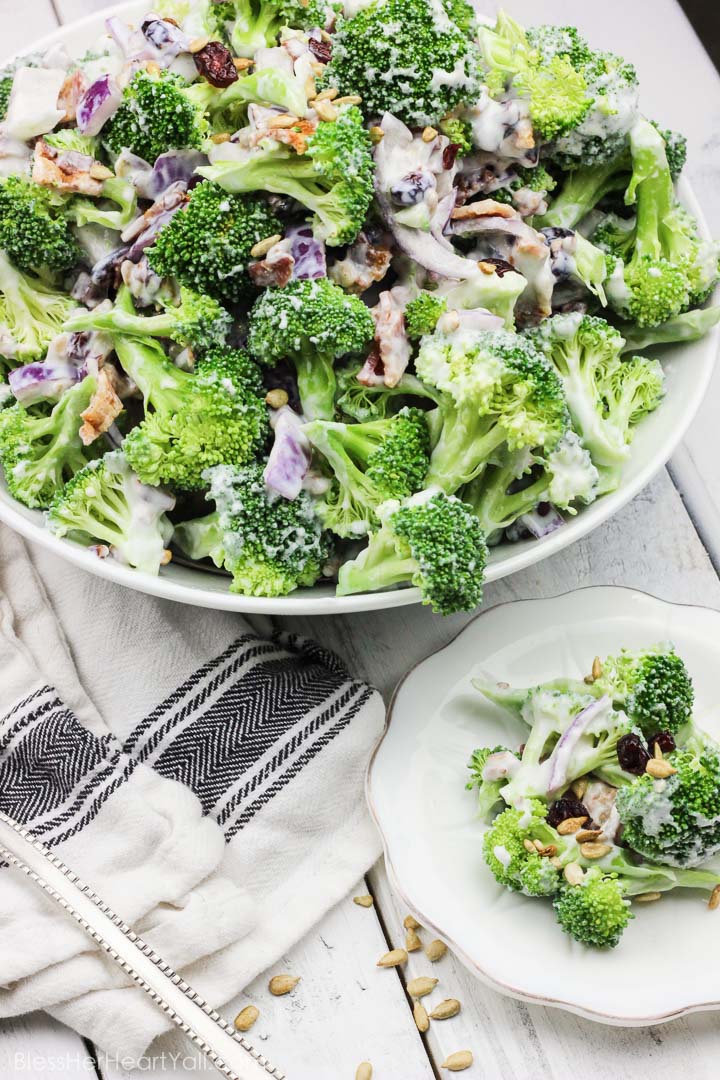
x,y
410,189
449,154
215,63
632,754
563,809
664,740
543,509
321,50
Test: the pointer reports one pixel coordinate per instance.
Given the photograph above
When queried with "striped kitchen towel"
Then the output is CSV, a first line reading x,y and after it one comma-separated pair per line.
x,y
206,780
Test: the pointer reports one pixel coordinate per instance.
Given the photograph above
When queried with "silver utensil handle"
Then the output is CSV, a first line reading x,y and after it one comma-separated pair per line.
x,y
225,1047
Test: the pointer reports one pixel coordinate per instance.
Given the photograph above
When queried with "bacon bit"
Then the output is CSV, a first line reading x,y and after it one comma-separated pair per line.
x,y
391,337
67,171
484,208
295,136
71,91
275,269
372,372
104,408
364,263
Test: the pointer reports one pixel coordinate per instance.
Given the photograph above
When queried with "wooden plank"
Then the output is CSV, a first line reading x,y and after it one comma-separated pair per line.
x,y
40,1047
514,1041
345,1010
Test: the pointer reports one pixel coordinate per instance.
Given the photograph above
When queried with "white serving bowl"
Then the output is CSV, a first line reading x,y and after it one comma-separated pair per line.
x,y
688,368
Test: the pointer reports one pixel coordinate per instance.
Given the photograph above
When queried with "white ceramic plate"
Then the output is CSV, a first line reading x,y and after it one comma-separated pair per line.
x,y
668,961
688,369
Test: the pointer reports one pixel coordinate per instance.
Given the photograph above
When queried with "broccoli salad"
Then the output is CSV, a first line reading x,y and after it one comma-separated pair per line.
x,y
325,294
613,798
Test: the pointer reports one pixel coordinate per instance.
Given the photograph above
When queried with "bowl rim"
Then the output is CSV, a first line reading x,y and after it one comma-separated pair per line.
x,y
320,600
472,964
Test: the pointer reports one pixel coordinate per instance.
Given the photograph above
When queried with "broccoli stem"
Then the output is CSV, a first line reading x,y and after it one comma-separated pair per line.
x,y
316,384
690,326
583,190
378,566
159,381
462,451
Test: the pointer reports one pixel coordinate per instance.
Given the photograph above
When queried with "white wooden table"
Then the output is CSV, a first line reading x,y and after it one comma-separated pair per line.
x,y
668,541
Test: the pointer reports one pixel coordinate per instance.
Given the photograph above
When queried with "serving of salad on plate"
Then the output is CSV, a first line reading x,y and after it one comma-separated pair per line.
x,y
325,295
613,799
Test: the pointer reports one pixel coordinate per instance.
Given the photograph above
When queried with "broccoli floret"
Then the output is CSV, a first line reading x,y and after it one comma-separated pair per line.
x,y
432,541
207,245
670,269
106,502
406,57
512,863
313,324
675,149
362,403
606,395
497,389
493,291
255,24
370,463
270,545
71,139
215,416
31,315
122,209
615,236
39,450
676,821
551,41
197,321
572,732
535,180
603,134
155,116
227,109
489,792
596,911
422,314
652,686
690,326
515,483
333,178
459,132
557,93
199,18
32,230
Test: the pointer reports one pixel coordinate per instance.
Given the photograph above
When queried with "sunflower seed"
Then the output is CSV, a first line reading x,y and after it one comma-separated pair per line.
x,y
446,1009
245,1019
393,958
659,770
366,900
421,986
421,1017
435,950
458,1062
412,941
282,984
